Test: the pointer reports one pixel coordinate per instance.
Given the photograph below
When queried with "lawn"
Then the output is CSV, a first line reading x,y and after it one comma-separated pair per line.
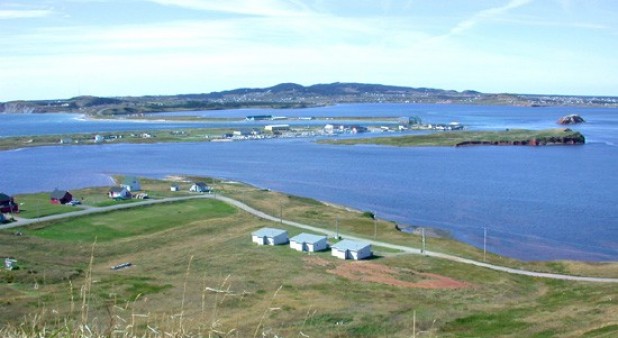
x,y
39,205
131,222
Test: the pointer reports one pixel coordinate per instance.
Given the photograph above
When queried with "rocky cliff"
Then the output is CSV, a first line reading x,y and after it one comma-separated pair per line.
x,y
570,138
571,119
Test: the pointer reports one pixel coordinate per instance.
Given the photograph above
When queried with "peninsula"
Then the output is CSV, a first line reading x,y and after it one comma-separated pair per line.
x,y
520,137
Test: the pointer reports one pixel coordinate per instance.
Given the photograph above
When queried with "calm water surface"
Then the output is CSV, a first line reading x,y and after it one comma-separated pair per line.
x,y
537,203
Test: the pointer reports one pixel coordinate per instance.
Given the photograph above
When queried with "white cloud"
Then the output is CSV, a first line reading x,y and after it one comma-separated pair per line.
x,y
8,14
245,7
485,15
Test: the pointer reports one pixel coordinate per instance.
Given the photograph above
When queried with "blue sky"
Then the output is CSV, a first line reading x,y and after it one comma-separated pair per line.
x,y
64,48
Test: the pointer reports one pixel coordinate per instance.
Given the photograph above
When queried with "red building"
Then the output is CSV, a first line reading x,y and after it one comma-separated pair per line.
x,y
60,197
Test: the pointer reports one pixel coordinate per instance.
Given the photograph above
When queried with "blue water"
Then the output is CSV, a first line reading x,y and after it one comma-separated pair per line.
x,y
538,203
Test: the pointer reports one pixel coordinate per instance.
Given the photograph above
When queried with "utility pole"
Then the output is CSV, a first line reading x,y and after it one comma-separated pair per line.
x,y
281,212
423,240
484,243
337,227
375,227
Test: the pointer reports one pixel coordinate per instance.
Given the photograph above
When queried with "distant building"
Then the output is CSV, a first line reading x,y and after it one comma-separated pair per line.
x,y
60,197
356,129
66,140
269,236
308,242
409,121
348,249
199,187
7,204
131,183
174,187
276,128
450,126
99,139
258,117
120,193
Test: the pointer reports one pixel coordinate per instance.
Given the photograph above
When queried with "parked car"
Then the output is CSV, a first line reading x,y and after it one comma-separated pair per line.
x,y
75,202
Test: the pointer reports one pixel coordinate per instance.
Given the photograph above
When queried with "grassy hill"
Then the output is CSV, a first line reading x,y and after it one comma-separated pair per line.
x,y
196,273
291,95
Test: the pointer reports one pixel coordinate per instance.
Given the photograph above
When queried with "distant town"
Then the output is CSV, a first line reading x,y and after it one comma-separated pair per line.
x,y
291,95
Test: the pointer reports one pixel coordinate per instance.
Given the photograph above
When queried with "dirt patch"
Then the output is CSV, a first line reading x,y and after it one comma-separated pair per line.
x,y
316,261
377,273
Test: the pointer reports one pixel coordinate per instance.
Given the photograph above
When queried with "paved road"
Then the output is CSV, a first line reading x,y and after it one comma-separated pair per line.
x,y
260,214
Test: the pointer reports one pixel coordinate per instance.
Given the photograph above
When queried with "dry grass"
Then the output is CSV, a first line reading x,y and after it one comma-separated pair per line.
x,y
204,278
308,211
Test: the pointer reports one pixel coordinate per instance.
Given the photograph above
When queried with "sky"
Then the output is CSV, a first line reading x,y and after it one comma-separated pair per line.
x,y
65,48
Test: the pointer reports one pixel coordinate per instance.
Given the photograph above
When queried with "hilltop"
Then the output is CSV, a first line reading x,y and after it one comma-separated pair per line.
x,y
292,95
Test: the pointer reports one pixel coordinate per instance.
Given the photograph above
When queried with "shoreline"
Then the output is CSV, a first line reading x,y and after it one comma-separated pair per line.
x,y
434,231
494,262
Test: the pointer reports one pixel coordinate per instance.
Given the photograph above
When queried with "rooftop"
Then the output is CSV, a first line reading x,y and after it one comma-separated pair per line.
x,y
268,232
307,238
351,245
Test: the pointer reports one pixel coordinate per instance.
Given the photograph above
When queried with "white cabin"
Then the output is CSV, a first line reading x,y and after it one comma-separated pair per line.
x,y
308,242
269,236
348,249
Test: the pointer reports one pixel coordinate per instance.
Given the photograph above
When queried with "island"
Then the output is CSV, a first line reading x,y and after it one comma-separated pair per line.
x,y
571,119
508,137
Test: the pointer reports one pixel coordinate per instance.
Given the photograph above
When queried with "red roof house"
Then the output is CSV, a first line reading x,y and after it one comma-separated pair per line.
x,y
60,197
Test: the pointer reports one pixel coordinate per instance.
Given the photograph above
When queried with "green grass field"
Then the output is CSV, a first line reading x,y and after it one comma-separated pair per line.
x,y
455,138
39,205
132,222
195,272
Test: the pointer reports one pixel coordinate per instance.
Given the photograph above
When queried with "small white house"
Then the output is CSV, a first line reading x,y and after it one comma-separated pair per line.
x,y
348,249
199,187
119,193
269,236
174,187
308,242
131,183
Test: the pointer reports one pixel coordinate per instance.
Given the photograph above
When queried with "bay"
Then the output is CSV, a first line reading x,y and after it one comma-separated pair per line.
x,y
537,203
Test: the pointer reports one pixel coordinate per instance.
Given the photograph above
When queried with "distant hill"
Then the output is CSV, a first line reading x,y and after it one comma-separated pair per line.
x,y
292,95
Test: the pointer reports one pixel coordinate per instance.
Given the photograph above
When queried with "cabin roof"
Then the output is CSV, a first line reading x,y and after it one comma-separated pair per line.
x,y
268,232
307,238
351,245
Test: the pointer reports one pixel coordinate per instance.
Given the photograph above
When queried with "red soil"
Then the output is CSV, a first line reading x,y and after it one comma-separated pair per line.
x,y
378,273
